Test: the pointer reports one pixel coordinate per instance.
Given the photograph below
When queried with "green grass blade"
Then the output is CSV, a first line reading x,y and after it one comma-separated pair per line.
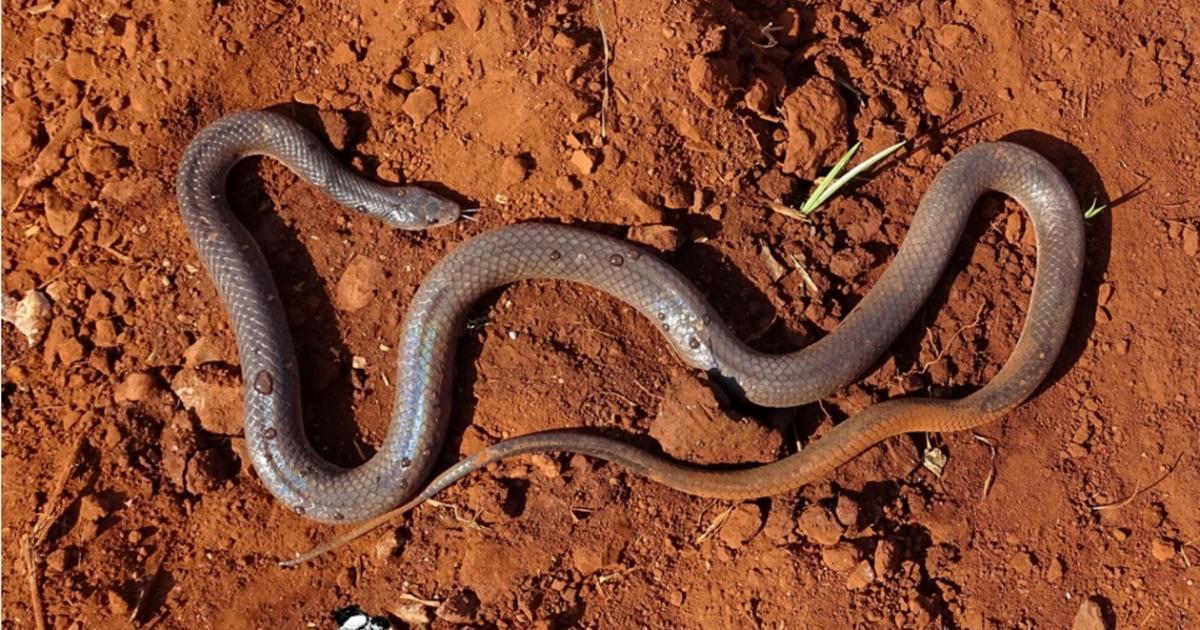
x,y
811,203
830,186
1094,210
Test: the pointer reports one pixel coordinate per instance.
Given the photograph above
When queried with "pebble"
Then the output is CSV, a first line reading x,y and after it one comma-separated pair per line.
x,y
61,343
1022,563
861,577
117,604
1055,571
818,525
584,161
566,183
639,208
28,315
136,387
1191,240
214,395
62,217
358,283
470,12
420,104
1090,616
405,80
713,80
1162,549
100,160
841,557
939,99
815,118
847,511
201,351
460,607
664,238
412,614
887,556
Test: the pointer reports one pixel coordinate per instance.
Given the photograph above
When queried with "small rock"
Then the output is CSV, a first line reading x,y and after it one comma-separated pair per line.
x,y
713,80
1022,563
117,604
358,283
566,183
815,119
1191,240
412,614
61,343
201,351
664,238
459,607
1014,228
305,97
136,387
62,217
1054,572
405,80
846,264
841,557
515,168
818,525
677,195
1090,617
639,208
470,12
420,104
584,161
92,509
100,160
887,557
213,392
562,40
847,511
939,99
28,315
861,577
343,54
1162,549
743,524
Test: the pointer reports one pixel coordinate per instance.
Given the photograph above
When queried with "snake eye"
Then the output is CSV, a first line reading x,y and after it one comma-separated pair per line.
x,y
432,220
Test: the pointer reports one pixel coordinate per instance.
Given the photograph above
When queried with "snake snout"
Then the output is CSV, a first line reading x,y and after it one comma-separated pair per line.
x,y
421,209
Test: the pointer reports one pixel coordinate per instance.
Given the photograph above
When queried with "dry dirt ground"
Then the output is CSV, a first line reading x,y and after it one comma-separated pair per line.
x,y
126,495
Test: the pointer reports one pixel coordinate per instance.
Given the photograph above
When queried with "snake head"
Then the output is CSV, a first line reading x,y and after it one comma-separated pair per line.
x,y
414,208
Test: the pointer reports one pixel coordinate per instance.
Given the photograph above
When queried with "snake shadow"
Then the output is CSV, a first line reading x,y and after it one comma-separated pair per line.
x,y
328,388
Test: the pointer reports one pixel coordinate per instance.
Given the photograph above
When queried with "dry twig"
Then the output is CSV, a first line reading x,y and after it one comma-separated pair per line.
x,y
1138,490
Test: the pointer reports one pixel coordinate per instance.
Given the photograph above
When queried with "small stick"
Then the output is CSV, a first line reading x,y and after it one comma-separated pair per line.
x,y
35,587
605,93
715,525
991,476
351,535
941,353
428,603
1136,491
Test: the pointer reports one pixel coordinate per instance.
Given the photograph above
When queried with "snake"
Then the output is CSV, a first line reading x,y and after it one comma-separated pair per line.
x,y
396,474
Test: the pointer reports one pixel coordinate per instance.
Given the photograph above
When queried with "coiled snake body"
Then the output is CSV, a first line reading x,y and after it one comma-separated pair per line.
x,y
311,486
